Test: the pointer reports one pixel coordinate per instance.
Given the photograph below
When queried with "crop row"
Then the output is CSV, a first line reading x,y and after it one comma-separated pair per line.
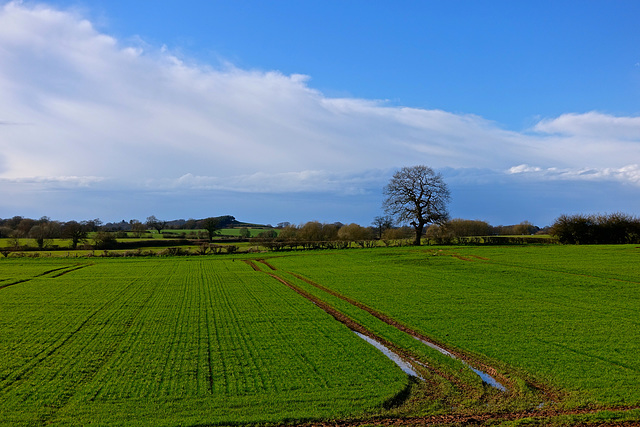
x,y
188,340
564,316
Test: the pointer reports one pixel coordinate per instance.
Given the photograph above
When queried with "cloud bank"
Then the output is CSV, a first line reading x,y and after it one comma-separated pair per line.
x,y
81,110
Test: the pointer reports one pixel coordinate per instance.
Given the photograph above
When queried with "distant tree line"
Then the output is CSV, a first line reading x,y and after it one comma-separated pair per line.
x,y
153,223
468,231
616,228
315,235
569,229
102,236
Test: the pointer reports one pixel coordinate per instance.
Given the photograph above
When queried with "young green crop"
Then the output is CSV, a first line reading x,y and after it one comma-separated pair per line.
x,y
567,316
177,341
205,340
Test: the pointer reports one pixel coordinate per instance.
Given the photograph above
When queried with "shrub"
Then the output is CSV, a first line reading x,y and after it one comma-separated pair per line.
x,y
104,240
579,229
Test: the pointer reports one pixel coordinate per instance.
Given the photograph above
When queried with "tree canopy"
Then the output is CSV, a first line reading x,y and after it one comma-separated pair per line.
x,y
417,195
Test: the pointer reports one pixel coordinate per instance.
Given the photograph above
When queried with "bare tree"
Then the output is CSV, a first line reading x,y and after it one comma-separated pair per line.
x,y
382,223
137,228
44,232
355,233
92,224
418,196
74,231
153,222
212,225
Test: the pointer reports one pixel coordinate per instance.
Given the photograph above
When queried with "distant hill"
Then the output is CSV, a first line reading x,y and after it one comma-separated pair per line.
x,y
226,221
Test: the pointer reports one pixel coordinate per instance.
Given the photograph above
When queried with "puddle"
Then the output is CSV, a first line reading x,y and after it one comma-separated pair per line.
x,y
435,347
406,367
487,378
483,375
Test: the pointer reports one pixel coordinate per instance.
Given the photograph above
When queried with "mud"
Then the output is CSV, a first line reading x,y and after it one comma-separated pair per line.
x,y
406,367
477,365
486,378
533,418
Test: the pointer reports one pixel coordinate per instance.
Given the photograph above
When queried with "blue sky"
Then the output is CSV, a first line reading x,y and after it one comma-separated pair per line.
x,y
297,111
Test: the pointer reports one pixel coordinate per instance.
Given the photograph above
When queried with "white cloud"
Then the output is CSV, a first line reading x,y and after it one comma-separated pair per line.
x,y
55,181
79,107
592,125
625,174
286,182
523,169
148,114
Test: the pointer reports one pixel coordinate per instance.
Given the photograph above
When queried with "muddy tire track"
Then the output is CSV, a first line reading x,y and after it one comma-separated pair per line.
x,y
485,418
71,270
67,269
6,285
541,416
405,354
474,362
549,394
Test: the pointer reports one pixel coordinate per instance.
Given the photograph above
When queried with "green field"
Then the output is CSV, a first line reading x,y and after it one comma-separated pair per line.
x,y
245,339
175,342
567,315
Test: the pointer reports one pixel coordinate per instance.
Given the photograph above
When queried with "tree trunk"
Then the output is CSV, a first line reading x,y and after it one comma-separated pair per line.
x,y
419,227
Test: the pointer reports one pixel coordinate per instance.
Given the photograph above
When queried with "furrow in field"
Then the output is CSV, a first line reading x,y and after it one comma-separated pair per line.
x,y
586,354
114,364
293,322
64,373
585,291
405,354
471,361
557,271
188,341
67,269
54,347
205,334
252,366
6,285
392,322
144,364
71,269
52,271
140,369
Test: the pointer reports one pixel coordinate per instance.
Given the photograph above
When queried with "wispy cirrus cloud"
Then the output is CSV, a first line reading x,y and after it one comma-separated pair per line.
x,y
55,181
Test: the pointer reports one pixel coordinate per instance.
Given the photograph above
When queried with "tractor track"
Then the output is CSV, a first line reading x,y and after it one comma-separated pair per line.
x,y
405,354
550,395
540,415
63,270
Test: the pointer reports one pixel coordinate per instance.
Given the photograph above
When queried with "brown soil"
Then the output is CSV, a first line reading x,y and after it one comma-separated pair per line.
x,y
541,418
550,395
